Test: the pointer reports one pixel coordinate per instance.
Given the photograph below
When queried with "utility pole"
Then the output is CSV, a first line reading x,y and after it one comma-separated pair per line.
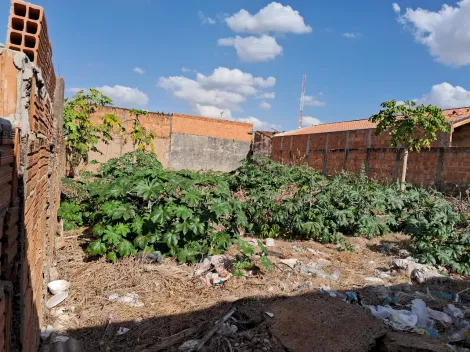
x,y
302,98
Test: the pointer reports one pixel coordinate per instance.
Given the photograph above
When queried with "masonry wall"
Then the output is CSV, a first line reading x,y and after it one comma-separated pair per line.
x,y
183,141
442,166
32,160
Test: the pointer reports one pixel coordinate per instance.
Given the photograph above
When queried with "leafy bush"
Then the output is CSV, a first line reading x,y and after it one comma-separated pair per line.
x,y
133,204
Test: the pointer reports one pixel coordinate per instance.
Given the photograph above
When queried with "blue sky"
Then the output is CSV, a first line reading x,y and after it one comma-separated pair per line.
x,y
204,57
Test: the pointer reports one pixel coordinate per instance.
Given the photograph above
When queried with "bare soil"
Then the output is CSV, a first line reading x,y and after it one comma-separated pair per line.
x,y
178,306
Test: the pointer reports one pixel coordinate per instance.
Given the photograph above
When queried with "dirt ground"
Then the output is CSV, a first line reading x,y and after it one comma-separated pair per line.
x,y
283,310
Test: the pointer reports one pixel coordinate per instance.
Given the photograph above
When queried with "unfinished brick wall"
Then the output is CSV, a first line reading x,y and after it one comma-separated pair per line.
x,y
183,141
443,166
262,143
32,161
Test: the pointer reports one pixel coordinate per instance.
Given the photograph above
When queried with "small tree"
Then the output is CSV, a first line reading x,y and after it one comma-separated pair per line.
x,y
411,127
140,136
81,135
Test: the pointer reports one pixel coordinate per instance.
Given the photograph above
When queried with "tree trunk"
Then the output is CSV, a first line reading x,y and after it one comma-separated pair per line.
x,y
403,171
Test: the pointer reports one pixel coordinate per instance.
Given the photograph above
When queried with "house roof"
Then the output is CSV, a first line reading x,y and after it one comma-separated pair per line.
x,y
457,117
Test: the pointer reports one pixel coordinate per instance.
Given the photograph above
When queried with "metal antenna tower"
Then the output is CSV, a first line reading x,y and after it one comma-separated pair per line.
x,y
302,98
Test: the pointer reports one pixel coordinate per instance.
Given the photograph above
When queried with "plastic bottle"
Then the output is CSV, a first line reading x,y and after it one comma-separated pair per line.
x,y
454,312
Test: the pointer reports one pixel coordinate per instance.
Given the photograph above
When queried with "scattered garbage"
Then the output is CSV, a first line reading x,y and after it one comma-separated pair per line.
x,y
57,299
442,294
46,332
418,307
202,267
351,297
441,317
269,242
189,345
58,286
427,331
303,286
227,329
454,312
269,314
291,263
217,263
324,262
139,320
418,273
154,257
131,299
65,343
374,280
403,317
316,252
316,269
122,331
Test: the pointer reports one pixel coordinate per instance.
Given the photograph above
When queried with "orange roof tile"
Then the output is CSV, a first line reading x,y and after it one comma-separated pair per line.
x,y
452,115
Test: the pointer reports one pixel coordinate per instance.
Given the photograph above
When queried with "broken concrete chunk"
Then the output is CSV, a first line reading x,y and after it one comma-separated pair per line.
x,y
291,263
418,273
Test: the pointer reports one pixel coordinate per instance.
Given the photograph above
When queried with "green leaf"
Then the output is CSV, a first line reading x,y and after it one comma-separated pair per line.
x,y
141,241
160,215
246,248
266,263
171,238
183,212
111,236
137,225
149,189
125,248
96,248
112,257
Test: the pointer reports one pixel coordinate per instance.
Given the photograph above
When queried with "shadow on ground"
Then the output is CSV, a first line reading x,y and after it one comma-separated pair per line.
x,y
312,321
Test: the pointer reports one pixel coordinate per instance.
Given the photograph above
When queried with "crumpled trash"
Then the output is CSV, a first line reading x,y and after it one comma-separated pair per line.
x,y
401,317
316,269
227,329
215,279
291,263
269,314
122,330
442,317
154,257
351,297
441,294
303,286
418,273
373,280
427,331
455,313
219,263
189,345
316,252
131,299
46,332
418,307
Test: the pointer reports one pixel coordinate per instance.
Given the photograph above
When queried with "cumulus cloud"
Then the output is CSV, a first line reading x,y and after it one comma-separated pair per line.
x,y
257,123
313,101
125,96
446,96
75,90
204,19
223,89
253,49
351,35
273,18
310,121
265,105
446,33
138,70
269,95
396,7
213,111
225,77
191,91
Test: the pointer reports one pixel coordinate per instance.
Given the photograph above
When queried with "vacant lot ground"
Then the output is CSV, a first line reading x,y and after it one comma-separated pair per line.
x,y
175,305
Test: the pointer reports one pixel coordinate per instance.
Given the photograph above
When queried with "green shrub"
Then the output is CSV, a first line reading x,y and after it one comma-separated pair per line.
x,y
133,204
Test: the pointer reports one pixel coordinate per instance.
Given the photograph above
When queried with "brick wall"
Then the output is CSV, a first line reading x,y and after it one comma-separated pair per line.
x,y
262,143
443,166
221,146
32,161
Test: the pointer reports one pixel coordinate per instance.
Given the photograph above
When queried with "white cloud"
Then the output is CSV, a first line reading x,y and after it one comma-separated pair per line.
x,y
396,7
125,96
138,70
265,105
445,96
446,33
225,77
257,123
193,92
75,90
269,95
253,49
351,35
273,18
185,69
310,121
313,101
204,19
213,111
